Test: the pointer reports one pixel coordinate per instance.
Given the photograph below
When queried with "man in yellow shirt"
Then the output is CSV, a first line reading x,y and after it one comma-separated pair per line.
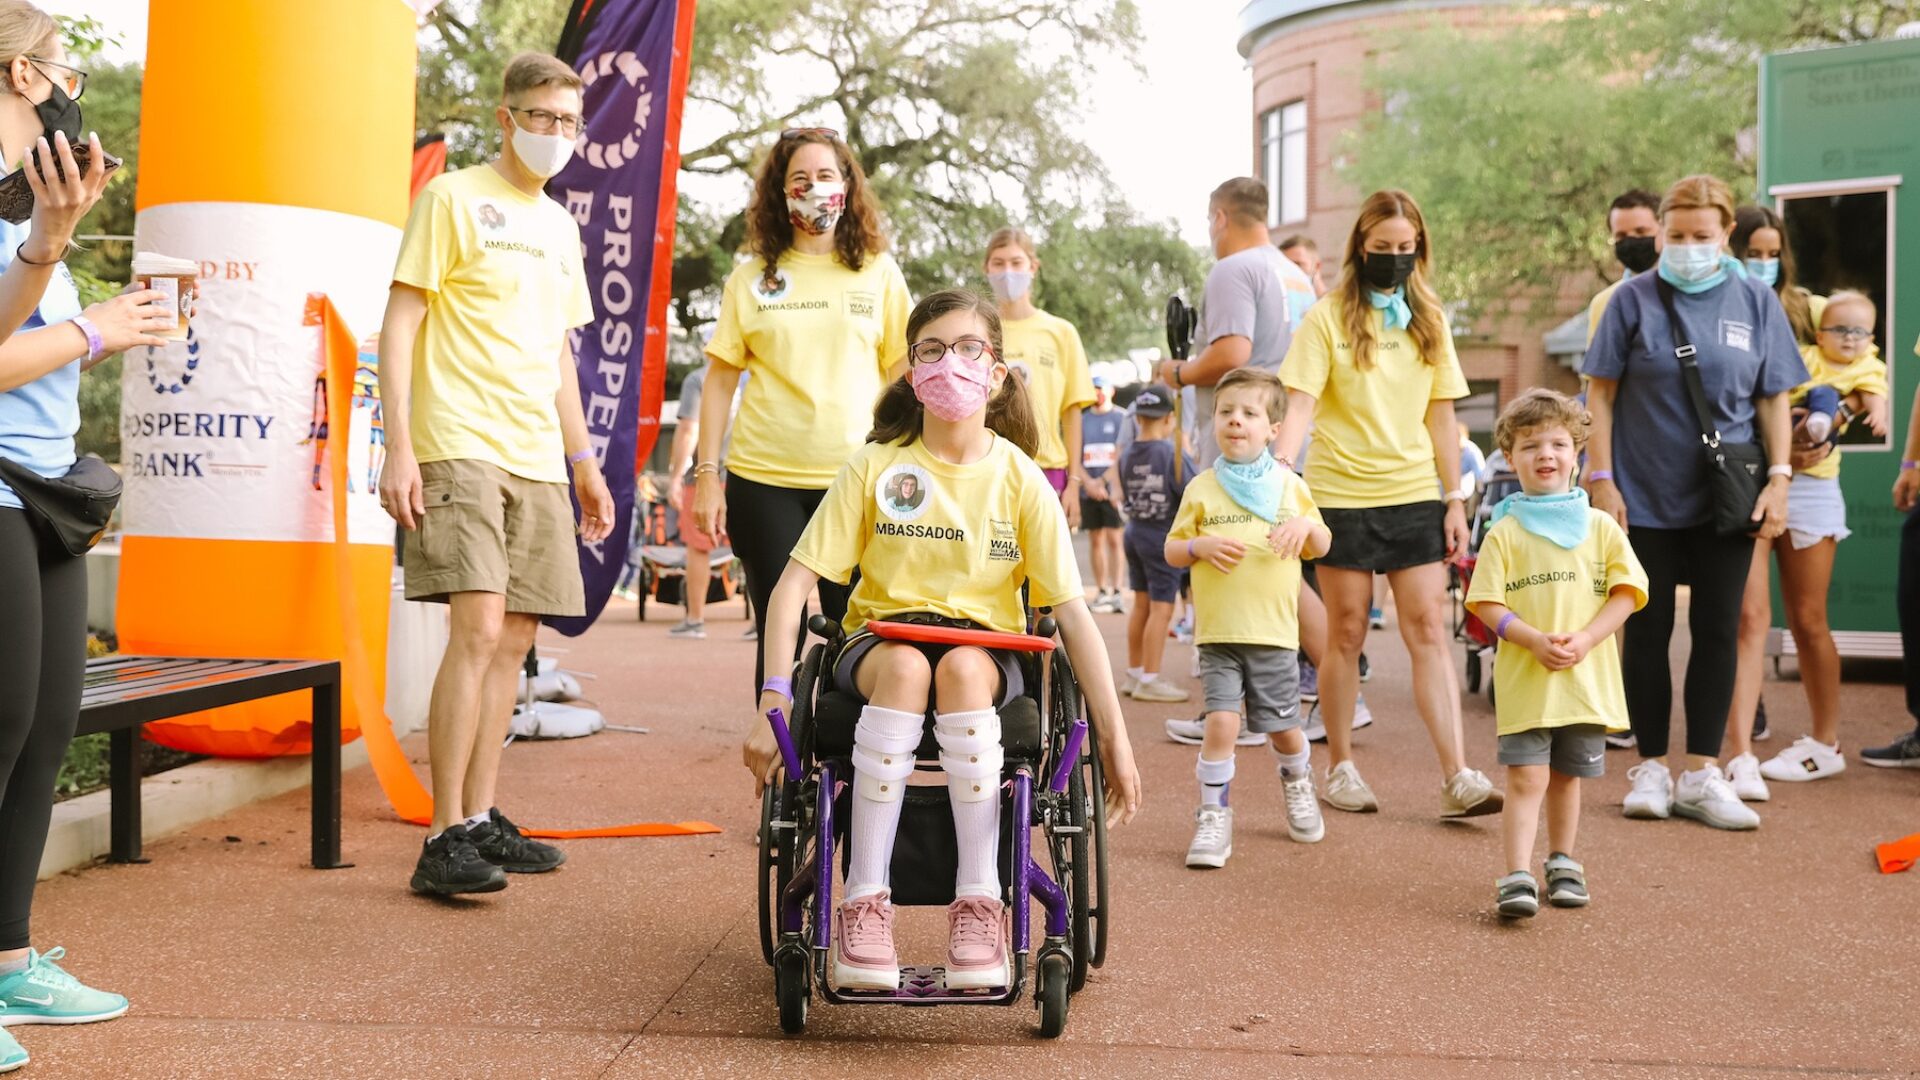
x,y
483,418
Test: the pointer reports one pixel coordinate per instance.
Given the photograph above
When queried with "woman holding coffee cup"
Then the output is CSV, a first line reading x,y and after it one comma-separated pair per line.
x,y
45,342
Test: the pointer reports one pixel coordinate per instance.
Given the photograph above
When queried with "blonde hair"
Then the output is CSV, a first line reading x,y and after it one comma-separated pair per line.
x,y
1429,326
1011,236
529,70
25,30
1700,192
1850,296
1540,408
1251,378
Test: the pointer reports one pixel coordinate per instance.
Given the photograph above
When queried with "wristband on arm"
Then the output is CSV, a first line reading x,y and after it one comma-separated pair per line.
x,y
95,343
579,456
1598,475
1500,631
779,684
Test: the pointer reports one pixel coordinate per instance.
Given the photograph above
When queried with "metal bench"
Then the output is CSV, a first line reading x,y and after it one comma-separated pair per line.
x,y
124,692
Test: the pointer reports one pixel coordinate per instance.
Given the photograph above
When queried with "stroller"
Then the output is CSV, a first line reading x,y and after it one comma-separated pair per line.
x,y
1467,628
659,561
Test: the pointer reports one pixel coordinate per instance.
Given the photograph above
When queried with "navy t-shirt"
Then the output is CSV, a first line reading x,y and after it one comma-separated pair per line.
x,y
1746,352
1100,439
1152,490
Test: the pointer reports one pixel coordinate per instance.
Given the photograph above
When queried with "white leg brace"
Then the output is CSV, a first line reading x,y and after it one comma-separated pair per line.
x,y
971,755
883,744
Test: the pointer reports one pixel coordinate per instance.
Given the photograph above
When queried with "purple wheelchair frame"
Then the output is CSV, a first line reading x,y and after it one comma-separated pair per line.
x,y
925,985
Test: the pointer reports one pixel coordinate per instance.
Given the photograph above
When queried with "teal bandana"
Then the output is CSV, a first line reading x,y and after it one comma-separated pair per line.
x,y
1562,519
1393,307
1254,485
1727,265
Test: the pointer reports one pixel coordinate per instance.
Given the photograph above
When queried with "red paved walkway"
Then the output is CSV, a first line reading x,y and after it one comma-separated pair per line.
x,y
1372,954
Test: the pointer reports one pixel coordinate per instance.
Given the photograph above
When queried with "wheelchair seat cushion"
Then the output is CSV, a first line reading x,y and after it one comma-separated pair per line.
x,y
835,714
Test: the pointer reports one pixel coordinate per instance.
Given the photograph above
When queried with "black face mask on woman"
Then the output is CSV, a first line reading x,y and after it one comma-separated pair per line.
x,y
1386,272
1636,253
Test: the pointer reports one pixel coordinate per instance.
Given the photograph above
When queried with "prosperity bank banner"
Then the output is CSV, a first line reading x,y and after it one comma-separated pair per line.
x,y
632,55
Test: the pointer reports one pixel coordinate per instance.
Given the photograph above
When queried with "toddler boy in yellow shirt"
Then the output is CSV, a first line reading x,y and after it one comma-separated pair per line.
x,y
1555,578
1243,526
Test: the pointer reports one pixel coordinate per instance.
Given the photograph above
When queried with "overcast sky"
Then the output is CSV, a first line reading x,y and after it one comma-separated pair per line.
x,y
1168,139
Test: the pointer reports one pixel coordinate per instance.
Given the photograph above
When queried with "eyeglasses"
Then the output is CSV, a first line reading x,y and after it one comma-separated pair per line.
x,y
1847,333
932,350
542,122
793,134
72,79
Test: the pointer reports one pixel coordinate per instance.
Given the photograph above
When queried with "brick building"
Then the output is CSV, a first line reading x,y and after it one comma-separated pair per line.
x,y
1310,60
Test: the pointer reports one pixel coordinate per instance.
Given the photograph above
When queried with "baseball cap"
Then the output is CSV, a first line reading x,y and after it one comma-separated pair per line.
x,y
1099,382
1154,400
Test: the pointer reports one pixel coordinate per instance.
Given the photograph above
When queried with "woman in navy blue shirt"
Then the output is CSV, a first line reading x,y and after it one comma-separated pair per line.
x,y
1653,479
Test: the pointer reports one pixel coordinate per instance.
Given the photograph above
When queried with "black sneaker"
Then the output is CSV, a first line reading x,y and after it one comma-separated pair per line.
x,y
500,842
450,864
1366,669
1901,753
1760,732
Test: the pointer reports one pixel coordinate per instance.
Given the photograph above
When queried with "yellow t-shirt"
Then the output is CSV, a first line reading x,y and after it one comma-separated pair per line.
x,y
1557,590
1598,307
1867,375
504,283
1259,602
1047,350
955,540
1370,441
819,345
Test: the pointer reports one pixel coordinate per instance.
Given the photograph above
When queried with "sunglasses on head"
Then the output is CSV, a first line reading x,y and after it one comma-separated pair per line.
x,y
791,134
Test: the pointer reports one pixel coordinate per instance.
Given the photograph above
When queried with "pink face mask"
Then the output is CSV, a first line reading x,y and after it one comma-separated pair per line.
x,y
953,389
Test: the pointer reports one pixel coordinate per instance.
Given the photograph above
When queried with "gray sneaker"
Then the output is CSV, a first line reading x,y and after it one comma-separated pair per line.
x,y
1304,823
1192,731
694,630
1566,881
1519,896
1212,837
1706,797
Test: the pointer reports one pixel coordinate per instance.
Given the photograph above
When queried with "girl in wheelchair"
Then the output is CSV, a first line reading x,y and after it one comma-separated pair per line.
x,y
944,514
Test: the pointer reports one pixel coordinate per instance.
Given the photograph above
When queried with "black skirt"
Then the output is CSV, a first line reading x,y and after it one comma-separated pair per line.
x,y
1382,538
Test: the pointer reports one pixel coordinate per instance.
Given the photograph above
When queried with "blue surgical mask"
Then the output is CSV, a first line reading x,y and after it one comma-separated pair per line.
x,y
1690,262
1766,271
1010,285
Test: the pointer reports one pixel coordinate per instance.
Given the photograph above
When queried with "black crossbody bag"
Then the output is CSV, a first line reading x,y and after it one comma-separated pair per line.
x,y
1736,471
75,508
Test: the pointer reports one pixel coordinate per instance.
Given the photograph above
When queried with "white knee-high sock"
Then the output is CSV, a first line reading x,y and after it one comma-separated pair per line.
x,y
971,755
884,741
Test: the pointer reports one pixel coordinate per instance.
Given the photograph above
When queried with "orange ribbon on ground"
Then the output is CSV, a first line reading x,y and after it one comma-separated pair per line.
x,y
1898,855
410,800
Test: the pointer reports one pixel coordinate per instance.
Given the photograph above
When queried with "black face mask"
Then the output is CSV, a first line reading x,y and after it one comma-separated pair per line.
x,y
1636,253
1386,272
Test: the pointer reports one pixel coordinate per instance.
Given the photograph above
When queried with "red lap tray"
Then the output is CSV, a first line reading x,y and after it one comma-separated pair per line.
x,y
934,634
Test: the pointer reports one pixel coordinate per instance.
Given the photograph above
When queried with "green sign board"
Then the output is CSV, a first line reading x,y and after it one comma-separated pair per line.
x,y
1840,159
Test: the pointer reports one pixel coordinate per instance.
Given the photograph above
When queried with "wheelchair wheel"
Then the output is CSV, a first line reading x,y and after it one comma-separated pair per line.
x,y
792,985
1052,994
1099,901
772,882
1080,904
1473,669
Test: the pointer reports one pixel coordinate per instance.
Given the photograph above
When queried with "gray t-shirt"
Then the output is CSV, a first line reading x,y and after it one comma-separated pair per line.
x,y
1746,352
1253,294
690,393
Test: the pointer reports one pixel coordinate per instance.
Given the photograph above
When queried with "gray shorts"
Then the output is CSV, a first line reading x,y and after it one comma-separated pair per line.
x,y
1012,682
1575,750
1260,682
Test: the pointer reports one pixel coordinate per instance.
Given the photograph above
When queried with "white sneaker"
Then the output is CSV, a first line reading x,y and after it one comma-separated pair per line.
x,y
1192,731
1315,729
1304,823
1128,684
1652,795
1362,716
1706,797
1807,759
1470,794
1345,790
1743,773
1212,837
1153,688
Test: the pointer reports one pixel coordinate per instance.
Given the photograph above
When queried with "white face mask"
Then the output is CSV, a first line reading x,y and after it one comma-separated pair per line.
x,y
543,155
1009,285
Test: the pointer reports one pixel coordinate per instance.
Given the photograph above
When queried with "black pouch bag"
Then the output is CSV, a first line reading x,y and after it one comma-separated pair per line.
x,y
75,508
1736,471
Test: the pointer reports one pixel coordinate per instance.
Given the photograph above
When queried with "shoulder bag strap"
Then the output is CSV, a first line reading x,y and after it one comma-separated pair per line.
x,y
1684,352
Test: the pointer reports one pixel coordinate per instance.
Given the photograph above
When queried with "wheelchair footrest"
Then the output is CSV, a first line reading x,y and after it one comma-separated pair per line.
x,y
923,985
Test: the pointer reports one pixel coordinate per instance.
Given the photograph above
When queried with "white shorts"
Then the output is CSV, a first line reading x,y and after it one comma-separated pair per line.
x,y
1816,511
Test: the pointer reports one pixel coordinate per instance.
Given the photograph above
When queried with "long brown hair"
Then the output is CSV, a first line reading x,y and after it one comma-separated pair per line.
x,y
770,225
899,417
1751,219
1429,326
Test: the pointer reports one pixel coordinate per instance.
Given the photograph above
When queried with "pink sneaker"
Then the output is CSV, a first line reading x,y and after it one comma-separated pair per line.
x,y
976,944
863,955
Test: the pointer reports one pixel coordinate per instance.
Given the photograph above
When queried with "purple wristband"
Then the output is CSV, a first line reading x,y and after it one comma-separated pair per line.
x,y
1189,551
1506,620
1910,465
579,456
1598,475
779,684
95,343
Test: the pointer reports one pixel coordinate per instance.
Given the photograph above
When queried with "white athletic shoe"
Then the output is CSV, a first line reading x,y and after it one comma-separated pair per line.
x,y
1304,823
1157,689
1469,794
1315,729
1127,685
1706,797
1652,795
1212,837
1807,759
1345,790
1192,731
1743,773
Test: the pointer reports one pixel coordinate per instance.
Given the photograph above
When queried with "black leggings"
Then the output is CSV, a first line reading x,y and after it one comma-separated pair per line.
x,y
1716,567
1908,592
764,523
43,664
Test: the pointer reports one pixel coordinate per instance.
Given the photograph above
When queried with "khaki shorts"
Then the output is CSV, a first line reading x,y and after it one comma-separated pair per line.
x,y
487,530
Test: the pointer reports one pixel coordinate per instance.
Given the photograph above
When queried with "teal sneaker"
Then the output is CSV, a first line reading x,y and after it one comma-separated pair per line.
x,y
12,1054
45,994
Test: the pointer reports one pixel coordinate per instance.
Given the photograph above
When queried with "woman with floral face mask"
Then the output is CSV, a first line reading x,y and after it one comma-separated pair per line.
x,y
1646,466
986,524
816,313
1046,350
